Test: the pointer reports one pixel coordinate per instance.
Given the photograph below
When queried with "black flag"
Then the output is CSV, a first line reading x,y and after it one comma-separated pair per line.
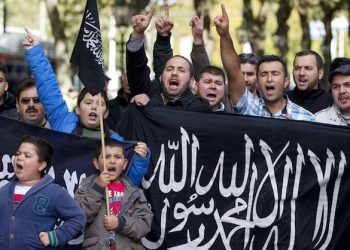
x,y
87,53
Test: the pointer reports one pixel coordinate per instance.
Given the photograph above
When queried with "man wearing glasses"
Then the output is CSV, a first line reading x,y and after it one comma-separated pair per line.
x,y
29,107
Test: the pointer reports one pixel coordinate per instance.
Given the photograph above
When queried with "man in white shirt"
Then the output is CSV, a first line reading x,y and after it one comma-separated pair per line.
x,y
339,78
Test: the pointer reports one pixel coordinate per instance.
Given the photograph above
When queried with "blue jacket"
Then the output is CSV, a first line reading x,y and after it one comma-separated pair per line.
x,y
57,111
38,211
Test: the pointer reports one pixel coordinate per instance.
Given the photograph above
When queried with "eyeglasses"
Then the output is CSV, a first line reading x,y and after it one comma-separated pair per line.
x,y
26,100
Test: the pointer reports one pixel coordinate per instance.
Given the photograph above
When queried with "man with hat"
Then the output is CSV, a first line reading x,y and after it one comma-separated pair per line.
x,y
339,78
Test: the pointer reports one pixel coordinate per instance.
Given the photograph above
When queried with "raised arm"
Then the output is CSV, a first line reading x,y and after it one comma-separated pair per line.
x,y
199,55
136,59
229,57
162,50
46,83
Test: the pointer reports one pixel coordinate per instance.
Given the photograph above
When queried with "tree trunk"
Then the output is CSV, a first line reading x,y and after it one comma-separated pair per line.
x,y
64,72
198,5
326,46
329,10
138,6
304,22
281,35
256,25
4,16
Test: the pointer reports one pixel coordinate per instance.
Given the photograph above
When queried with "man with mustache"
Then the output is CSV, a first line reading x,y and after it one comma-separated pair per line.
x,y
29,107
339,78
272,79
85,120
173,74
308,70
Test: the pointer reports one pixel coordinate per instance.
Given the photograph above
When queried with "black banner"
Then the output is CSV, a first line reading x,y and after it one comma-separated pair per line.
x,y
221,181
72,159
87,52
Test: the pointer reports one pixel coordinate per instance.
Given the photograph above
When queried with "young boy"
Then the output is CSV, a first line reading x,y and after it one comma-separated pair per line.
x,y
31,204
86,120
130,217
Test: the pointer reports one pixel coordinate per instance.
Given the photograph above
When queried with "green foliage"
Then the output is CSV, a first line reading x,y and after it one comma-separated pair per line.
x,y
26,14
22,13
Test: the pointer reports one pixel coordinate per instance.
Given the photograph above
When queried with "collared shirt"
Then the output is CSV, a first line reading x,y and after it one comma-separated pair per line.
x,y
250,104
221,107
332,115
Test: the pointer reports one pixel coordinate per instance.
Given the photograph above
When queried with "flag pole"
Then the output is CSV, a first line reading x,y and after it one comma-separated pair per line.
x,y
103,146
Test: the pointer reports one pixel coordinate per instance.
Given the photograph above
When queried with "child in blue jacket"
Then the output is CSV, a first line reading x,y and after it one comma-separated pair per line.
x,y
85,120
31,204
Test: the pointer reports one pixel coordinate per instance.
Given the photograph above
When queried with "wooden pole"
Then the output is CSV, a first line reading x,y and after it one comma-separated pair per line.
x,y
103,146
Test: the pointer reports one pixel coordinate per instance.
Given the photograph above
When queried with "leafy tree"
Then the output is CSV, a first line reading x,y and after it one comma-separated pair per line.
x,y
302,7
329,9
256,24
281,35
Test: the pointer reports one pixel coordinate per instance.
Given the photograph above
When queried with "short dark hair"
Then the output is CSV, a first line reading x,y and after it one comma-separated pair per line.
x,y
274,58
249,58
188,61
25,84
109,142
319,60
83,93
42,148
213,70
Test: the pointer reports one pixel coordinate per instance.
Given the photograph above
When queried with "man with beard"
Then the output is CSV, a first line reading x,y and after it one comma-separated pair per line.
x,y
339,78
175,77
272,79
249,68
307,72
29,107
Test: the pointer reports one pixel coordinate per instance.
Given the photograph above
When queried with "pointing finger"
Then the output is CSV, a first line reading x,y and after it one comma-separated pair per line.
x,y
151,13
223,10
29,33
166,9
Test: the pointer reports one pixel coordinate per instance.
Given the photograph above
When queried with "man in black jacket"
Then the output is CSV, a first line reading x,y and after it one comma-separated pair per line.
x,y
307,72
117,106
7,100
174,74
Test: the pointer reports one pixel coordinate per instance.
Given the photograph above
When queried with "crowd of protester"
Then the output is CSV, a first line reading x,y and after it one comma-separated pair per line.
x,y
247,85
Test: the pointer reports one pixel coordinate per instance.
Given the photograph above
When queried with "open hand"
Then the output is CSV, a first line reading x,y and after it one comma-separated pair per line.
x,y
140,99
